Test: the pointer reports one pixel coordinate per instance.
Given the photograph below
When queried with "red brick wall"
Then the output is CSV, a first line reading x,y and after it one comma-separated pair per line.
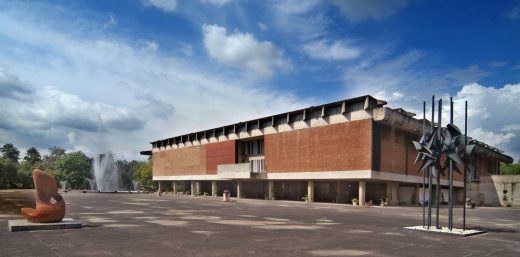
x,y
219,153
193,160
181,161
344,146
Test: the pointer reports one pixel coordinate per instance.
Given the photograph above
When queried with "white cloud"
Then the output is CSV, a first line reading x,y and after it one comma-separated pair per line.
x,y
337,50
216,2
304,20
164,5
262,26
112,21
140,93
362,10
244,51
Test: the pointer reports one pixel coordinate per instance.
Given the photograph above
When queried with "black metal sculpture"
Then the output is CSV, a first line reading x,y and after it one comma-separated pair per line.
x,y
441,152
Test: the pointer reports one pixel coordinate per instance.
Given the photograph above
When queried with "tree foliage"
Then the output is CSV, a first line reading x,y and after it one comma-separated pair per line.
x,y
32,155
143,174
72,167
10,152
8,173
509,168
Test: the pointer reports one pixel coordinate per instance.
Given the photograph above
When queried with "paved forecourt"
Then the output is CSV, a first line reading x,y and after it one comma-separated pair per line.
x,y
125,224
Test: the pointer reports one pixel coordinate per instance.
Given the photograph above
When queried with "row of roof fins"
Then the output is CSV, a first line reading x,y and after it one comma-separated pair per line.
x,y
342,106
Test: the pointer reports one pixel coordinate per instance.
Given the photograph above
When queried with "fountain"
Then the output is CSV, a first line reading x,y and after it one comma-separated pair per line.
x,y
63,184
106,174
136,185
92,184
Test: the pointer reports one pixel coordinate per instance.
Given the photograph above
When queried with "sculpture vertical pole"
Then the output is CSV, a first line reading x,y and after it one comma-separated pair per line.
x,y
424,172
437,167
430,172
450,178
465,164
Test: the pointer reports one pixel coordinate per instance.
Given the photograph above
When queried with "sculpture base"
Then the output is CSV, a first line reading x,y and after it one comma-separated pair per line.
x,y
24,225
446,231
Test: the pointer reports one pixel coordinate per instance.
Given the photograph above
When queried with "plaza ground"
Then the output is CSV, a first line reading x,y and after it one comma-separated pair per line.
x,y
125,224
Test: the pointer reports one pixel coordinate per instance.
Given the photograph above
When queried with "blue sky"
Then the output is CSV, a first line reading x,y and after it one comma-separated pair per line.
x,y
98,75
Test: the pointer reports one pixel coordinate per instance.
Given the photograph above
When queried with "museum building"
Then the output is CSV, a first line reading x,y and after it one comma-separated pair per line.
x,y
353,148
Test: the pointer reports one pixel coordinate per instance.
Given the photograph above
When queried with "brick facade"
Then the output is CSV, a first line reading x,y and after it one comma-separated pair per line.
x,y
344,146
193,160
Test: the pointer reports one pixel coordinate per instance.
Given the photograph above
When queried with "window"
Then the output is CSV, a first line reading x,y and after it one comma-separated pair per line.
x,y
257,166
254,147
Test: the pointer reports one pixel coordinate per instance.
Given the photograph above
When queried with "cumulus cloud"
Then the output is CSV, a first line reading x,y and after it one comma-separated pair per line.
x,y
492,115
362,10
337,50
11,87
244,51
164,5
139,93
216,2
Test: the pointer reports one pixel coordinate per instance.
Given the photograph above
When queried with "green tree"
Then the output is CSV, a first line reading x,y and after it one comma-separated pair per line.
x,y
509,168
55,153
10,152
8,173
142,173
32,156
72,167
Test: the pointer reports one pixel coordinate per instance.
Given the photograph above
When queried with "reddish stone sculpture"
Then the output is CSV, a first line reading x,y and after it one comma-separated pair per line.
x,y
45,189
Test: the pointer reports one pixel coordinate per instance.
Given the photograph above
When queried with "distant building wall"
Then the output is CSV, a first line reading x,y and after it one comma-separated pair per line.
x,y
220,153
193,160
344,146
186,161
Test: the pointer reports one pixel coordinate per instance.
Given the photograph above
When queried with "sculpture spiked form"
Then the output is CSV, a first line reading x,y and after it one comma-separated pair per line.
x,y
443,143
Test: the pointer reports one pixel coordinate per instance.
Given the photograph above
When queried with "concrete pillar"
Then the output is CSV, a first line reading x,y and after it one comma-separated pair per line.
x,y
362,190
392,192
159,188
239,184
174,187
192,188
214,188
197,188
270,189
310,191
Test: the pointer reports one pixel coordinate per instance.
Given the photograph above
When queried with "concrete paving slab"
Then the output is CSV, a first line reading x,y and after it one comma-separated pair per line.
x,y
24,225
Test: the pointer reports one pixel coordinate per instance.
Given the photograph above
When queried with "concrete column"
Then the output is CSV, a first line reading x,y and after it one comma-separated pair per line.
x,y
239,184
174,187
362,190
310,191
159,188
392,195
214,188
270,189
192,188
197,188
